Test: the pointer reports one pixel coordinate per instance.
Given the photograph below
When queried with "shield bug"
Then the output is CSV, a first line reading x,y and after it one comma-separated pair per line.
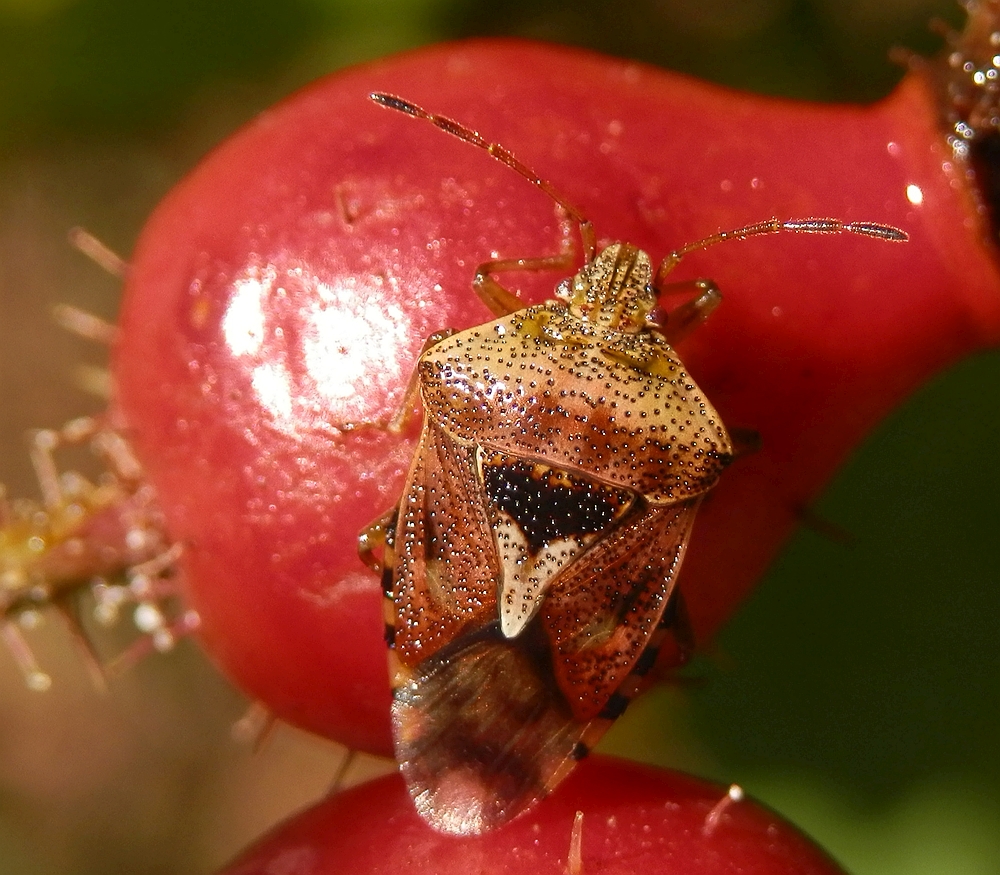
x,y
530,569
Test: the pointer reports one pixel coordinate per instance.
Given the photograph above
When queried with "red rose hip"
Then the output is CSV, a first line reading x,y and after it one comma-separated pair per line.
x,y
281,294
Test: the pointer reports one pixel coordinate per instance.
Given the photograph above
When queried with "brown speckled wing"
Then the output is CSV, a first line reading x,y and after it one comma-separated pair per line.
x,y
492,722
445,574
601,613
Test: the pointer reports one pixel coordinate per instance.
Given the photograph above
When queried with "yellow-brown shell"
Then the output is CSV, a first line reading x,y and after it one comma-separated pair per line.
x,y
545,385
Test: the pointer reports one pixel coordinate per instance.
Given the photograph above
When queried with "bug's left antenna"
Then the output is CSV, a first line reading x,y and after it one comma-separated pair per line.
x,y
504,156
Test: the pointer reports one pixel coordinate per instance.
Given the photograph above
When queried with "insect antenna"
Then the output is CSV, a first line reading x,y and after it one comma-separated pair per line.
x,y
504,156
777,226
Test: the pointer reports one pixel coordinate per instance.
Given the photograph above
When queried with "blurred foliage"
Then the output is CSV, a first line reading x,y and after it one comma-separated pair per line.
x,y
857,691
861,693
885,648
795,48
69,67
105,64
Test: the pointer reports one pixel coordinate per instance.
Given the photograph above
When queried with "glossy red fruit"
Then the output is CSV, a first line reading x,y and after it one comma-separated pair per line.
x,y
636,819
284,289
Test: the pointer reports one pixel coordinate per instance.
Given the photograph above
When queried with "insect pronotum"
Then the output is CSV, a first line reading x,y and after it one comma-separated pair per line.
x,y
530,568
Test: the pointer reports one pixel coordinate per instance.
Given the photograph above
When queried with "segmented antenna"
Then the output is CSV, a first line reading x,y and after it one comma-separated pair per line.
x,y
504,156
810,225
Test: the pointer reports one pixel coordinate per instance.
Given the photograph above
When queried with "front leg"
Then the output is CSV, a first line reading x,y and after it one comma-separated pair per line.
x,y
401,419
382,533
500,300
685,318
378,534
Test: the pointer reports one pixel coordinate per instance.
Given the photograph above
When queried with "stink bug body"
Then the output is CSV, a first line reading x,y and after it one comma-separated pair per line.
x,y
530,569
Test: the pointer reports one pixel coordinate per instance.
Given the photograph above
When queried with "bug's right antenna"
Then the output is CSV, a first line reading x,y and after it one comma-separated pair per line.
x,y
777,226
504,156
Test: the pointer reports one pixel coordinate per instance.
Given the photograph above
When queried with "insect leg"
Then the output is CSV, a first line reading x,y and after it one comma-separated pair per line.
x,y
401,418
678,620
373,537
682,320
404,413
500,300
746,441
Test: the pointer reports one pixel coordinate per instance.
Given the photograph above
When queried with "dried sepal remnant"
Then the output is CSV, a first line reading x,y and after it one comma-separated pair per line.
x,y
967,75
531,565
966,78
105,538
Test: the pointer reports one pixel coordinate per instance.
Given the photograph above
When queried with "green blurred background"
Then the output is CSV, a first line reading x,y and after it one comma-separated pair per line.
x,y
859,690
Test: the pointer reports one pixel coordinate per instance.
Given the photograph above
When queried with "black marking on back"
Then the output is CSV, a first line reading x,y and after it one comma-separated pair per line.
x,y
549,503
